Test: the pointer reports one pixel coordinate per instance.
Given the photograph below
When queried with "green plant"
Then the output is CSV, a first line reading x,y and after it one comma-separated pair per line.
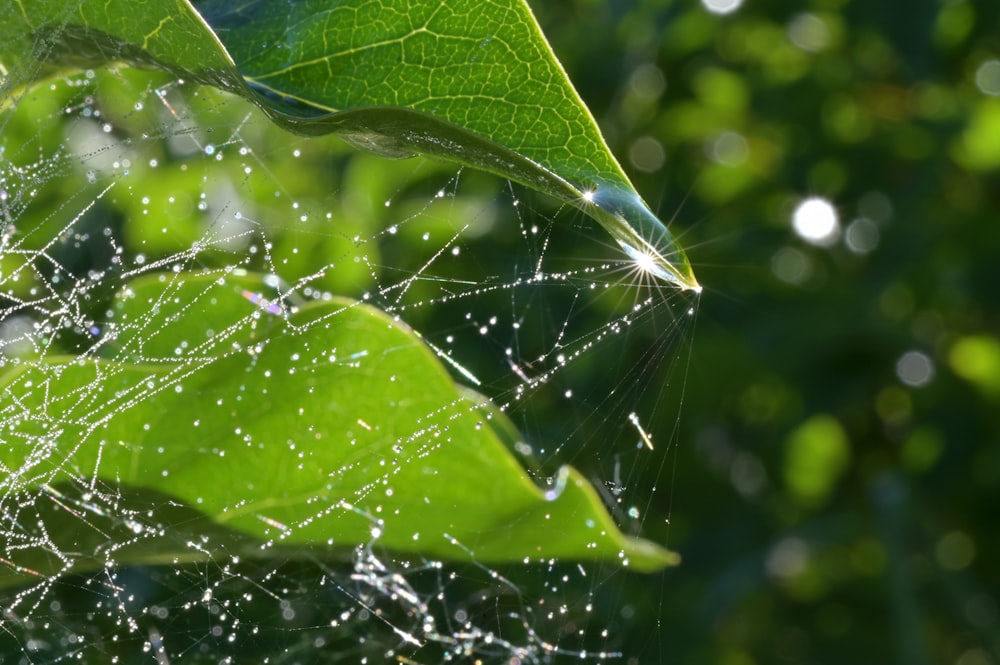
x,y
212,404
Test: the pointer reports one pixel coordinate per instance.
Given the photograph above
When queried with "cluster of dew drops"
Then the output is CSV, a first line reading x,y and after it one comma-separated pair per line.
x,y
377,590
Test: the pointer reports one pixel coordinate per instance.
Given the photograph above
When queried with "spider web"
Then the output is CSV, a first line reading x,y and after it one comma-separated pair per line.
x,y
110,175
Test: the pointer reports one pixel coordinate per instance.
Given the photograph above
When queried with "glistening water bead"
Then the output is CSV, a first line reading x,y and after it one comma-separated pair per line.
x,y
643,237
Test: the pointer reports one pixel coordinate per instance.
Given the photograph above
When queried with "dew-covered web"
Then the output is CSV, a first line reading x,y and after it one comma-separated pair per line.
x,y
109,176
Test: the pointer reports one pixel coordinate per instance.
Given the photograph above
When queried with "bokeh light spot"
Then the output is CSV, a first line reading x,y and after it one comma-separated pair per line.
x,y
809,32
915,369
647,81
647,154
955,551
876,206
988,78
790,265
729,149
815,221
787,558
818,452
862,236
722,6
977,360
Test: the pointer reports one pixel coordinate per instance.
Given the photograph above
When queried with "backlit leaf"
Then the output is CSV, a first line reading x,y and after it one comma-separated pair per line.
x,y
324,426
474,82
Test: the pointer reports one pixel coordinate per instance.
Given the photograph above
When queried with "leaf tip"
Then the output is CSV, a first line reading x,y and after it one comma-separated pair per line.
x,y
641,234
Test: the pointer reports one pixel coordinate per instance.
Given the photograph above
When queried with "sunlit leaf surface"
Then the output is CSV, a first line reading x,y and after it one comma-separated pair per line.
x,y
327,425
471,82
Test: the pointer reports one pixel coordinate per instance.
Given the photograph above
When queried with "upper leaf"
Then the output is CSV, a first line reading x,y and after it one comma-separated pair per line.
x,y
472,81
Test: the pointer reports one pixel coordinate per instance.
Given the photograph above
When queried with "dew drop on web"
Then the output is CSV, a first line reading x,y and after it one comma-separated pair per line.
x,y
542,333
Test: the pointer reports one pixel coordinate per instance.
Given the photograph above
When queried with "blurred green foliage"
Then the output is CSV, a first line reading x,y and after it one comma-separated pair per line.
x,y
796,390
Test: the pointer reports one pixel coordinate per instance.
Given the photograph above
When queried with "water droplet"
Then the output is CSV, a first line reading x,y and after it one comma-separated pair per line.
x,y
643,237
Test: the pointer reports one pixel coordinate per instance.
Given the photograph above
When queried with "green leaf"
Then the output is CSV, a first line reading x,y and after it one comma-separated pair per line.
x,y
324,426
471,81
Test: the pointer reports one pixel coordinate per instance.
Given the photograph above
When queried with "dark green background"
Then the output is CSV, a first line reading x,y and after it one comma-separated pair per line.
x,y
898,562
